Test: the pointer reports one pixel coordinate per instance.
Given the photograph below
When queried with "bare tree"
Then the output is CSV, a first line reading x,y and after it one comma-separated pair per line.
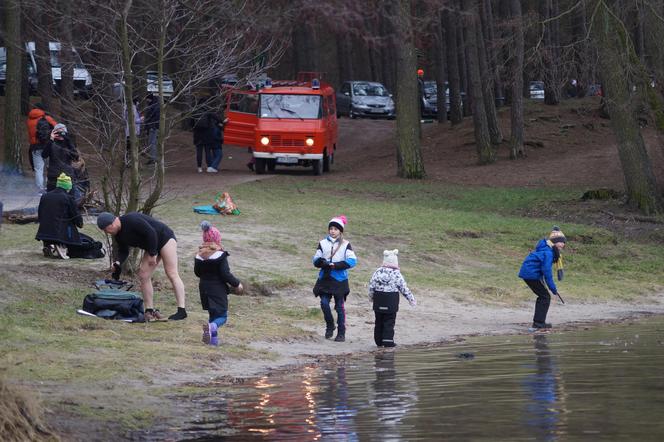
x,y
623,84
409,154
485,151
517,148
454,76
14,47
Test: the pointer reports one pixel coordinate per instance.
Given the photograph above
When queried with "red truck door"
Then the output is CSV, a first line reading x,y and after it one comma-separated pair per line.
x,y
242,114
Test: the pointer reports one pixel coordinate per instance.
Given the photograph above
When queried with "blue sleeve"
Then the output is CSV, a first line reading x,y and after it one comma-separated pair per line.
x,y
351,259
547,264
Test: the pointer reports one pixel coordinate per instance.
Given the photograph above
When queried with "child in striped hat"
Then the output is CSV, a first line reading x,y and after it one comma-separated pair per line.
x,y
537,268
334,256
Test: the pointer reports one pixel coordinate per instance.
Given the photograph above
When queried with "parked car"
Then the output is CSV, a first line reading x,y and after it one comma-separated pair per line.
x,y
365,99
429,98
153,83
536,90
32,74
82,78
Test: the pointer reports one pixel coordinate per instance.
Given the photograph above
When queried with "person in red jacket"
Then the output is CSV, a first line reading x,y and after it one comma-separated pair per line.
x,y
38,140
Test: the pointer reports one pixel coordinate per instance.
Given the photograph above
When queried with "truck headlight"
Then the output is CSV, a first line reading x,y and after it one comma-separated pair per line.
x,y
265,141
309,142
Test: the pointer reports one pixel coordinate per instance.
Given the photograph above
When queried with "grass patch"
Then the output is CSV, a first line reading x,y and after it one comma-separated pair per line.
x,y
467,243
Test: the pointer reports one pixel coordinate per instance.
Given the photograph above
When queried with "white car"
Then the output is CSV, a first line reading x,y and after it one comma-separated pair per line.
x,y
536,90
153,84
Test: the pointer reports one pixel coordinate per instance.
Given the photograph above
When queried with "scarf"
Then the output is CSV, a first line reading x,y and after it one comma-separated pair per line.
x,y
557,260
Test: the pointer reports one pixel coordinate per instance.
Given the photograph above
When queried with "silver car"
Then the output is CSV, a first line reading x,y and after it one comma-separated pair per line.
x,y
365,99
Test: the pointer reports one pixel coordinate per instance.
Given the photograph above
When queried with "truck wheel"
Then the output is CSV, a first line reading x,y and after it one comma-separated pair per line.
x,y
260,166
271,165
327,160
318,167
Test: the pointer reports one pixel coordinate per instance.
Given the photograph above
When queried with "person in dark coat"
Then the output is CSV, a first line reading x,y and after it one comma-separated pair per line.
x,y
158,243
537,269
151,123
59,218
61,153
211,266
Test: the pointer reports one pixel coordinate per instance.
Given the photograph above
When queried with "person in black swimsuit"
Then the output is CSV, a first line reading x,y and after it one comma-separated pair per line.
x,y
158,243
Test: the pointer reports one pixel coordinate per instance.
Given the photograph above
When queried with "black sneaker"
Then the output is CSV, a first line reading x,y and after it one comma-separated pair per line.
x,y
329,333
541,325
340,338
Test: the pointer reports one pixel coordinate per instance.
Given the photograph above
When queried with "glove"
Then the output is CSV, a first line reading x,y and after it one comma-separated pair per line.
x,y
321,263
117,269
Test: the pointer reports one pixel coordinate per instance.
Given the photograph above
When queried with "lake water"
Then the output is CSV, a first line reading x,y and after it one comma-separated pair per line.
x,y
603,383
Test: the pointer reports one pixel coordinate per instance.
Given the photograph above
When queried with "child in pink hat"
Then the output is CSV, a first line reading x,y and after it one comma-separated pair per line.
x,y
334,256
211,266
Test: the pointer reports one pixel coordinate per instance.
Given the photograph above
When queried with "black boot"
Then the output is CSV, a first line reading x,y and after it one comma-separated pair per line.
x,y
541,325
340,338
329,332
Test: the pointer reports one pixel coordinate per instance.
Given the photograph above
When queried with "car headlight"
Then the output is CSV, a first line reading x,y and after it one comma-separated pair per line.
x,y
360,105
265,141
309,142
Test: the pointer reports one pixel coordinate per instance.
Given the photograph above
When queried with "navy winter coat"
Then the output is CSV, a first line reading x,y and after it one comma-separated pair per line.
x,y
538,264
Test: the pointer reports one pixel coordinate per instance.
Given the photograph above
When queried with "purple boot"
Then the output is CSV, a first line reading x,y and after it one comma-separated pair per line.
x,y
214,338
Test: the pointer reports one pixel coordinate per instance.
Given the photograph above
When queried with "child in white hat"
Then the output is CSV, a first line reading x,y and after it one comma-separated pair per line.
x,y
334,256
384,288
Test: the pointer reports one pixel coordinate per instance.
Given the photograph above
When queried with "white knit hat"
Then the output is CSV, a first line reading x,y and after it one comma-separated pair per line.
x,y
390,258
339,222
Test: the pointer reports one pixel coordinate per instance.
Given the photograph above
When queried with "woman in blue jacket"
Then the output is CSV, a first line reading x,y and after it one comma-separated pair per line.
x,y
537,268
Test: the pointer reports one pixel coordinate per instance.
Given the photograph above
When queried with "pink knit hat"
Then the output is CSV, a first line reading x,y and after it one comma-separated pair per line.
x,y
339,222
210,233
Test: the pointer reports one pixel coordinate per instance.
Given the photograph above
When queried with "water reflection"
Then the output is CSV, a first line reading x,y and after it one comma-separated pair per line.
x,y
335,417
545,389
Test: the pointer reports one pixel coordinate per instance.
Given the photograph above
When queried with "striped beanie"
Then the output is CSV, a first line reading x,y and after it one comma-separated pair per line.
x,y
557,235
339,222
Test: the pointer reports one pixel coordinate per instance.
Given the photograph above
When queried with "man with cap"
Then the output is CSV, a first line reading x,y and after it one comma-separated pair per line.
x,y
158,243
537,268
61,153
58,219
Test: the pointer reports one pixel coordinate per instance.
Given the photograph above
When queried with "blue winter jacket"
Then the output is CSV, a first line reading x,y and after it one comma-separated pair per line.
x,y
538,264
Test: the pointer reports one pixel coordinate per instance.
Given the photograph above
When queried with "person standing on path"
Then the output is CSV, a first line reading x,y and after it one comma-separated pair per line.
x,y
384,287
537,269
334,256
151,122
158,243
40,124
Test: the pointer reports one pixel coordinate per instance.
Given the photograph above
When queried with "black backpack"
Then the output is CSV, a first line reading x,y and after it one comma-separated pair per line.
x,y
88,249
44,129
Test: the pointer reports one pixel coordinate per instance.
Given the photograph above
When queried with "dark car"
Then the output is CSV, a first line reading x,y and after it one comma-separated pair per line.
x,y
429,98
365,99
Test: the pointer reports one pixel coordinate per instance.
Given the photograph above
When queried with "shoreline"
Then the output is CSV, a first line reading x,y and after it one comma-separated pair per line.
x,y
316,350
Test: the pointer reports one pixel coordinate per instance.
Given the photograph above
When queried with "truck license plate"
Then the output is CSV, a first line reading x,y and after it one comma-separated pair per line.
x,y
286,160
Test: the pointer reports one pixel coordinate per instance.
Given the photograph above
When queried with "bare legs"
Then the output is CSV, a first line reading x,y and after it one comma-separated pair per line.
x,y
169,255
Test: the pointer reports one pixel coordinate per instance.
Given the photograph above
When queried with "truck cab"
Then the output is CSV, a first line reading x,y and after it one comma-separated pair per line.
x,y
285,123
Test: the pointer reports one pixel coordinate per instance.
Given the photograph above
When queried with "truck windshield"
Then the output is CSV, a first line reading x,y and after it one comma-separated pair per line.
x,y
290,106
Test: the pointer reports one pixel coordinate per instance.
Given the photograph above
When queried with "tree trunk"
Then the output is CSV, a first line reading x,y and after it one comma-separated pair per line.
x,y
462,49
548,10
454,79
488,25
409,155
439,58
13,45
160,168
517,148
485,151
134,177
42,59
67,66
615,57
487,90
